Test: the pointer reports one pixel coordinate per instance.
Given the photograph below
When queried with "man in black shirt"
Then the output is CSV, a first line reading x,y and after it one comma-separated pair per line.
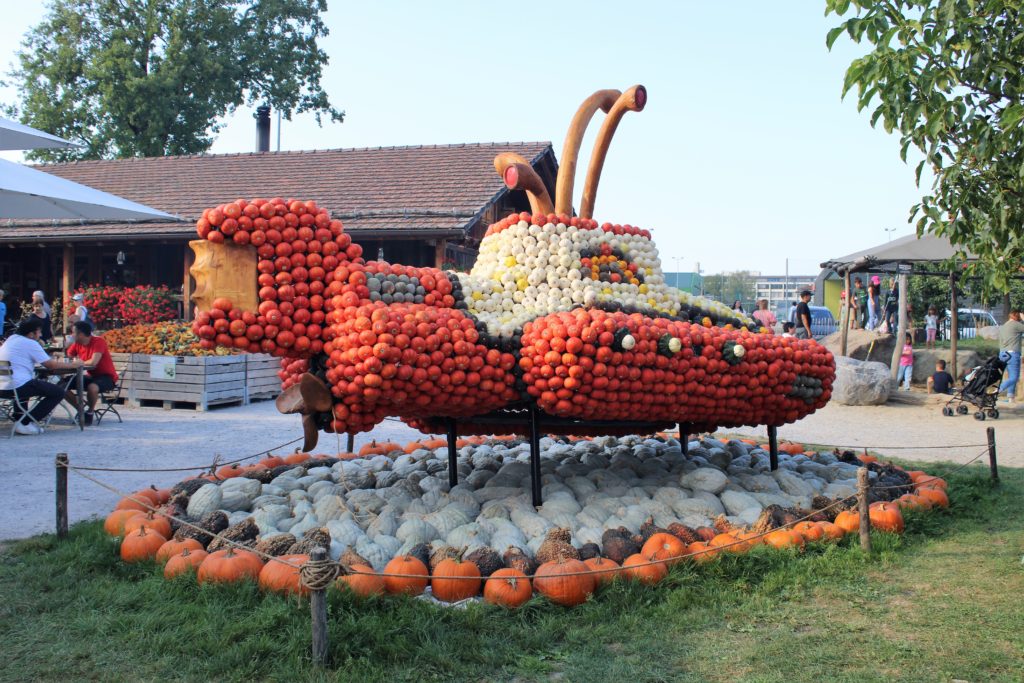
x,y
803,316
941,382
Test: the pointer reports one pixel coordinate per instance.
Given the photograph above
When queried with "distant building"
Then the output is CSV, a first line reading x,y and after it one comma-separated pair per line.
x,y
687,282
780,288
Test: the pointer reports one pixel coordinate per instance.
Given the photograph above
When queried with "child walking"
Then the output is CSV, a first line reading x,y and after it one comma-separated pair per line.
x,y
906,363
931,327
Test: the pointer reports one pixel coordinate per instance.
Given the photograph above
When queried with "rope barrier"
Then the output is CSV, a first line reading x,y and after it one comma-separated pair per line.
x,y
216,463
320,574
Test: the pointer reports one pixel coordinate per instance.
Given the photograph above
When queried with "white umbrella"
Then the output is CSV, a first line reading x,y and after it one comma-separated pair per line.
x,y
28,193
14,135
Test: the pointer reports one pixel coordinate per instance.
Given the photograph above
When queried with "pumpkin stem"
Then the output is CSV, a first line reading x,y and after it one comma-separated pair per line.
x,y
186,552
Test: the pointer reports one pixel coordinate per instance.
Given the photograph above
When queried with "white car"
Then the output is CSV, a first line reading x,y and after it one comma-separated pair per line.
x,y
968,322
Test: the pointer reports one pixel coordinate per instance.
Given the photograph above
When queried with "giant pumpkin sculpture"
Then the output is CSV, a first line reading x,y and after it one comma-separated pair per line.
x,y
560,315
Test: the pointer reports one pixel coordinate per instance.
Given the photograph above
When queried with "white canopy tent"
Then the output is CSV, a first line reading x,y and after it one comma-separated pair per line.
x,y
17,136
28,193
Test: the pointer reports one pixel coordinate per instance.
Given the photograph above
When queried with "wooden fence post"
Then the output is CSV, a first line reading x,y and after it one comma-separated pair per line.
x,y
863,484
62,495
318,611
992,465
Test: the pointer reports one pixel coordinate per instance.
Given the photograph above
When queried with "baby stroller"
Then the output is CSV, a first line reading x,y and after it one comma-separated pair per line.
x,y
981,387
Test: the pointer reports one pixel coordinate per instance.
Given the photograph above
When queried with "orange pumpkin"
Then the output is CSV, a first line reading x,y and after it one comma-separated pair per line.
x,y
455,579
848,521
282,576
564,582
728,543
809,530
296,458
640,567
136,502
140,545
157,523
363,581
508,588
230,564
188,560
272,461
410,584
160,495
784,538
705,533
936,497
867,459
604,570
701,552
114,523
231,471
374,448
830,532
886,517
175,547
912,501
664,546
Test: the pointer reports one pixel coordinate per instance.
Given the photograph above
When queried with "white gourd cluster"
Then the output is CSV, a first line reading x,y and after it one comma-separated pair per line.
x,y
526,271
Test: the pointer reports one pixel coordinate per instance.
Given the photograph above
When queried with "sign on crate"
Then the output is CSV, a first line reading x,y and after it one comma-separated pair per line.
x,y
163,367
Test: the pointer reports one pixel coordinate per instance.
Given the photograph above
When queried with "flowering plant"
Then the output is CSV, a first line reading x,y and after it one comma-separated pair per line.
x,y
130,305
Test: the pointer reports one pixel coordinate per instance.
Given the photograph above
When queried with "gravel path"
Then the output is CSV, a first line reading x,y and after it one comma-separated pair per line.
x,y
153,437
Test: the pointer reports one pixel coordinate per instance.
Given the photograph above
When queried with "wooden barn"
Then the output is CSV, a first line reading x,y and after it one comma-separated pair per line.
x,y
423,205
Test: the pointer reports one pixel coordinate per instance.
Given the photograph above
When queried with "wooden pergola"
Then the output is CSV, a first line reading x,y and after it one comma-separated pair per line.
x,y
899,257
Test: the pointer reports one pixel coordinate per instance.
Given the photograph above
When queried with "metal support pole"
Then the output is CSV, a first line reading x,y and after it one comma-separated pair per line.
x,y
351,443
863,484
954,327
453,455
773,447
318,613
684,438
844,315
992,465
535,486
62,495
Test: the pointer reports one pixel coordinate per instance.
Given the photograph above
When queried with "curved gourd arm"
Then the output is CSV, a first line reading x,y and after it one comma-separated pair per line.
x,y
519,175
603,100
633,99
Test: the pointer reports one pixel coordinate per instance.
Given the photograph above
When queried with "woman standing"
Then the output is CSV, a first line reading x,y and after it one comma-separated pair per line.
x,y
873,288
764,316
40,312
738,306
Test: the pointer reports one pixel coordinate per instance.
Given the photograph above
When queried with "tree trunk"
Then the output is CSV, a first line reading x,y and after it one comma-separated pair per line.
x,y
902,327
954,327
844,313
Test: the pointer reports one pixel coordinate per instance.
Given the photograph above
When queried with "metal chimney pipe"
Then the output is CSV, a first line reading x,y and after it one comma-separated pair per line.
x,y
263,128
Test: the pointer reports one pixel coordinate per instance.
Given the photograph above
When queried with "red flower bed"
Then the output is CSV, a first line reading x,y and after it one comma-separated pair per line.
x,y
131,305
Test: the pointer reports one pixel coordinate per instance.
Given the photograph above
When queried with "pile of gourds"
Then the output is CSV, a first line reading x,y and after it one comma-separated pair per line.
x,y
559,573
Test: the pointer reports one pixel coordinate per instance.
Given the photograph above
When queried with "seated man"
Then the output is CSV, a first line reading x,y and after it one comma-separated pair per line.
x,y
941,382
23,351
100,373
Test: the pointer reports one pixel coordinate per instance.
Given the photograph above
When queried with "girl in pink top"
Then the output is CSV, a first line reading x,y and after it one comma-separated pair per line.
x,y
906,363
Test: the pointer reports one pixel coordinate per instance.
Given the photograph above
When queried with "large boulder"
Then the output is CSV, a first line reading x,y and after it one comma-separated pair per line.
x,y
924,362
860,383
862,345
990,332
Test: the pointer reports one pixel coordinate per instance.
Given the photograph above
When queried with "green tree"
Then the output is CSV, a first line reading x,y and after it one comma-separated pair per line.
x,y
739,284
948,75
152,77
714,286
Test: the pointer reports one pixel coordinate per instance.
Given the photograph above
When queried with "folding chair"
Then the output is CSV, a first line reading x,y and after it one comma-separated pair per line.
x,y
110,398
13,408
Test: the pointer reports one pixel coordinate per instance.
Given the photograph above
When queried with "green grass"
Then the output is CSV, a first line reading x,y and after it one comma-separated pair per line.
x,y
984,347
941,602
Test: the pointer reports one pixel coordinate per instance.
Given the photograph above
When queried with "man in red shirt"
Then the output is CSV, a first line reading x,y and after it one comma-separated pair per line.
x,y
100,373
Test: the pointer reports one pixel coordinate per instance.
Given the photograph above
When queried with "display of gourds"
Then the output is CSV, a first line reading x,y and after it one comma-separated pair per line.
x,y
617,509
559,311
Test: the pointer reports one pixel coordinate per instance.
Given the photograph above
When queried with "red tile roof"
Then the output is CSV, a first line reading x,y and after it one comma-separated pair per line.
x,y
424,189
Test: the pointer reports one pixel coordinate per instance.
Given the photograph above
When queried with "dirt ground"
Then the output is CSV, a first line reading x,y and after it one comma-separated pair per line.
x,y
157,438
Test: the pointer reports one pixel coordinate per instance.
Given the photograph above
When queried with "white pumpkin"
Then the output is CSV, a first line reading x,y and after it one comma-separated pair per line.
x,y
416,531
344,532
447,519
329,507
470,536
386,524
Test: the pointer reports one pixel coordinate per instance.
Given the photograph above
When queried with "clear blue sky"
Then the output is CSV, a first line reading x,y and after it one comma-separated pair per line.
x,y
744,156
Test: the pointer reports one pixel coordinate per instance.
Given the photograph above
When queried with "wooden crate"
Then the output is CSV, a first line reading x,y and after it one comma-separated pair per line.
x,y
200,381
261,380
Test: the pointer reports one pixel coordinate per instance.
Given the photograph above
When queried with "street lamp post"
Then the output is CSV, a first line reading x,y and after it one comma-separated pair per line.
x,y
889,231
677,259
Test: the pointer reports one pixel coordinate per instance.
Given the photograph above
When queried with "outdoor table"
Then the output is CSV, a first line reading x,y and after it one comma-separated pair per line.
x,y
79,374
